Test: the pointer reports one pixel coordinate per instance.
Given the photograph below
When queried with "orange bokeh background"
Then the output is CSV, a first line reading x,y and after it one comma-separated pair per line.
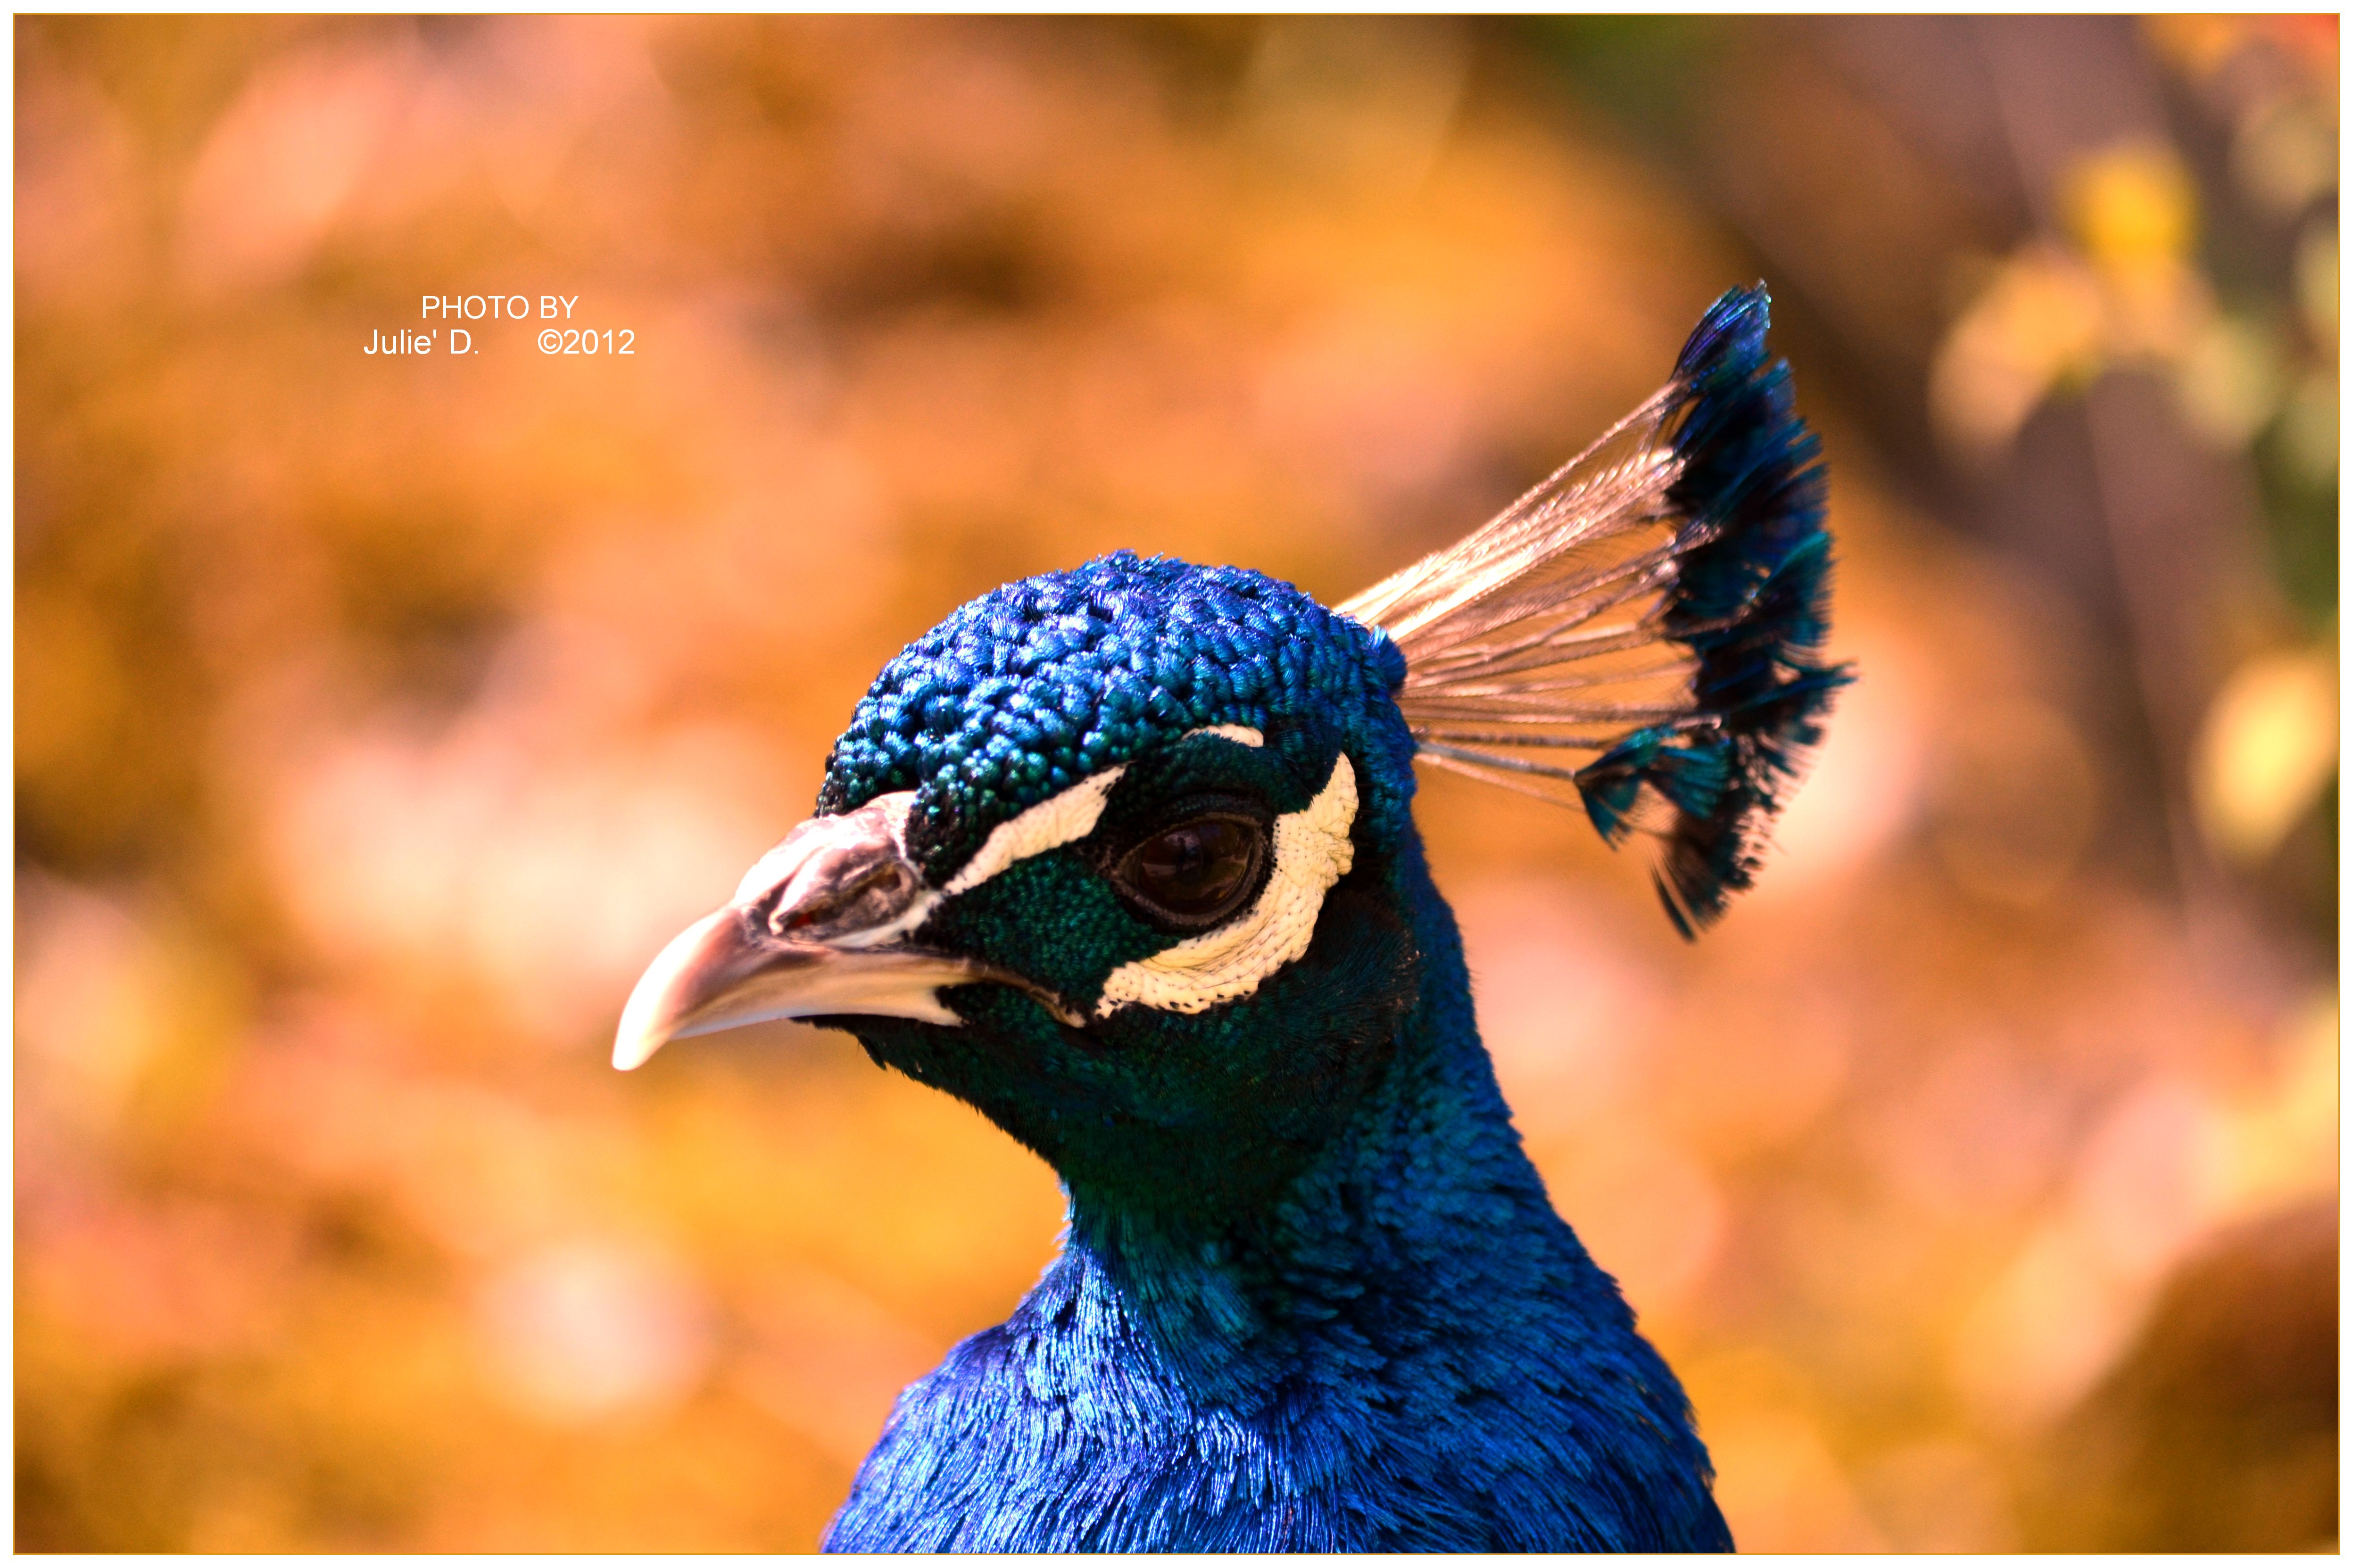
x,y
379,717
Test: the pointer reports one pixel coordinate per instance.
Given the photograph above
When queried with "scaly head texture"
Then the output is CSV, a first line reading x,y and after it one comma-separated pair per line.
x,y
1026,690
1213,1062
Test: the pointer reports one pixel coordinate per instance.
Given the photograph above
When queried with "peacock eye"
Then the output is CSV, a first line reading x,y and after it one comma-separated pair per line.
x,y
1196,873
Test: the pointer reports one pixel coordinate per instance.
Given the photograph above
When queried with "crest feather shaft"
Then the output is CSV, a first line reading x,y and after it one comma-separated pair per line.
x,y
1660,603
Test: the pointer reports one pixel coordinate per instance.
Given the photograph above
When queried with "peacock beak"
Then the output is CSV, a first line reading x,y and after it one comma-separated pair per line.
x,y
818,928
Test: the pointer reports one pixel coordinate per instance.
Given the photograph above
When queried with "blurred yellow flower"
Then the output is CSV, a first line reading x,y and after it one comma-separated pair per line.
x,y
2131,207
2267,749
2135,212
2038,323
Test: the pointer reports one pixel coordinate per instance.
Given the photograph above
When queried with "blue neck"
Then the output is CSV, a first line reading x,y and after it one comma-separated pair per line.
x,y
1422,1207
1402,1348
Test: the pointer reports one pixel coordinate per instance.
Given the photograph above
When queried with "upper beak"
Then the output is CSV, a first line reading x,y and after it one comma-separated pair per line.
x,y
817,929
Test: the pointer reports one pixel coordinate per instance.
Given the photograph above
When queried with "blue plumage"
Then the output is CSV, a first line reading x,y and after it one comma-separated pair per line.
x,y
1303,1305
1749,600
1025,691
1125,857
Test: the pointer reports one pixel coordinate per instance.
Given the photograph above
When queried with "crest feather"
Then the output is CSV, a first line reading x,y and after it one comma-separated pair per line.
x,y
1658,604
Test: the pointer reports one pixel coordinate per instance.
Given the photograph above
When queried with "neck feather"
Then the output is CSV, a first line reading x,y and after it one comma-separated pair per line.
x,y
1423,1204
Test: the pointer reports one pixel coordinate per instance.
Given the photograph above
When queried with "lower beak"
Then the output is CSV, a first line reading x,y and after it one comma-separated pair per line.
x,y
723,972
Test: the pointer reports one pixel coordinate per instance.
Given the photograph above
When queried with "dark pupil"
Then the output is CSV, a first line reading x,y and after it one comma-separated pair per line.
x,y
1189,870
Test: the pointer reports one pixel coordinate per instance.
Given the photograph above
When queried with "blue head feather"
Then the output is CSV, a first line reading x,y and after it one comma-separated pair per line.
x,y
1027,689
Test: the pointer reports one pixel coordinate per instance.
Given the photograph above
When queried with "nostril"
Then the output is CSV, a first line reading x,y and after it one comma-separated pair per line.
x,y
846,895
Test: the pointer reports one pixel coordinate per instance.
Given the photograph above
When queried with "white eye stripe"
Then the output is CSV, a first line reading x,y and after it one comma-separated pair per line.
x,y
1312,851
1065,819
1049,825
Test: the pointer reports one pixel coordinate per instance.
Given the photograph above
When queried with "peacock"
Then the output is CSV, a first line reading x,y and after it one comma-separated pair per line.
x,y
1123,855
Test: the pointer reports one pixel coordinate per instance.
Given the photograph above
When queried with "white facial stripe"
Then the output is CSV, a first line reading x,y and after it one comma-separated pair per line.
x,y
1065,819
1312,851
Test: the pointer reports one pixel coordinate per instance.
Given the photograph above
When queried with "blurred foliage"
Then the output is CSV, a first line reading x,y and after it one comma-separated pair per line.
x,y
377,719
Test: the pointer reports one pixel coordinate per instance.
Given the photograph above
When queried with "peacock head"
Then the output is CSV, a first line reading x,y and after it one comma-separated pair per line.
x,y
1114,855
1125,856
